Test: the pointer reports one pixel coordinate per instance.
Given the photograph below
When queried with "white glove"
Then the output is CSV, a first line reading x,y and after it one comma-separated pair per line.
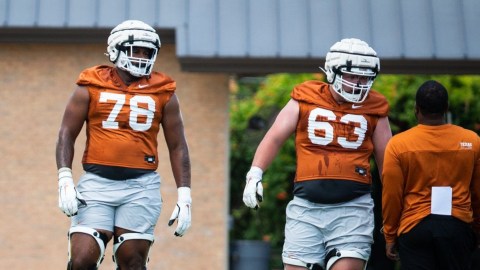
x,y
253,192
69,199
182,211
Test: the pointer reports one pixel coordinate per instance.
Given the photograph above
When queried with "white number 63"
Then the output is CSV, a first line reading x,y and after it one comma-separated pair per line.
x,y
313,125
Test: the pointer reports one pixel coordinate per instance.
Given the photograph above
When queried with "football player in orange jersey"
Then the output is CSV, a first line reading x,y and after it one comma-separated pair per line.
x,y
118,196
338,126
431,189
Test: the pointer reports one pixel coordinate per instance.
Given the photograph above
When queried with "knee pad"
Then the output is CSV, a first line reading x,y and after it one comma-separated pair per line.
x,y
296,262
335,255
99,237
131,236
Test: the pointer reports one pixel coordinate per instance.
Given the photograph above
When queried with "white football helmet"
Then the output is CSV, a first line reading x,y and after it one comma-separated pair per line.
x,y
124,37
351,56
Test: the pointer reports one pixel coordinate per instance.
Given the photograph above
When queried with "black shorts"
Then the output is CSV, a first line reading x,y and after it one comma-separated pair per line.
x,y
437,243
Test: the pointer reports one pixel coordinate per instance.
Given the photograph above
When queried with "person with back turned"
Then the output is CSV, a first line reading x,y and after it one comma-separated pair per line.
x,y
431,189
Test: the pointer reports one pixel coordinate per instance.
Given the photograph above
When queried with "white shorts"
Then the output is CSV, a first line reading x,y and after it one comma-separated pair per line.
x,y
133,204
313,229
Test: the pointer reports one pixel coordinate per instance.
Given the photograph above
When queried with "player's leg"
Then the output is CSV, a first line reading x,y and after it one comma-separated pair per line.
x,y
304,243
349,263
131,249
86,247
349,234
135,221
416,248
302,267
92,227
454,242
296,267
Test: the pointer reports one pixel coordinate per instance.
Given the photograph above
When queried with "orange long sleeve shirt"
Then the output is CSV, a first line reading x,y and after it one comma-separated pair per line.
x,y
423,157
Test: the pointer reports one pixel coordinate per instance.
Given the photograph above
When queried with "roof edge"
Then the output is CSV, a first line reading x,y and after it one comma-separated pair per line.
x,y
67,35
310,65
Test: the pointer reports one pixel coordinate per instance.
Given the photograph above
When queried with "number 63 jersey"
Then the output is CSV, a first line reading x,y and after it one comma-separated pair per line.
x,y
334,141
124,121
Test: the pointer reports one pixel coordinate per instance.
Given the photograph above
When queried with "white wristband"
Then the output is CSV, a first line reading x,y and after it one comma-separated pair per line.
x,y
64,172
255,172
184,194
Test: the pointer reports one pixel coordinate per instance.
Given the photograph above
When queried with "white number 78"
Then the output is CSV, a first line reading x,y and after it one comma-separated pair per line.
x,y
135,111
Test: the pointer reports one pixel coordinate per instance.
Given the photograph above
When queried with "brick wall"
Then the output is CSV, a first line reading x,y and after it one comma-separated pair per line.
x,y
35,83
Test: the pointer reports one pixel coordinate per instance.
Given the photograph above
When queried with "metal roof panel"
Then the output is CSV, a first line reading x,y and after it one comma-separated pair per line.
x,y
290,30
325,28
449,35
145,10
263,28
51,13
21,13
232,31
294,24
418,34
83,13
471,21
107,18
387,38
355,20
202,28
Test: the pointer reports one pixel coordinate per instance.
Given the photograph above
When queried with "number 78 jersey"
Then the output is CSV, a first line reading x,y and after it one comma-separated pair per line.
x,y
334,141
124,121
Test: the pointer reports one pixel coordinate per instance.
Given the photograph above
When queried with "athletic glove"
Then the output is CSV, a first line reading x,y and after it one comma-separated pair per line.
x,y
69,199
182,212
253,192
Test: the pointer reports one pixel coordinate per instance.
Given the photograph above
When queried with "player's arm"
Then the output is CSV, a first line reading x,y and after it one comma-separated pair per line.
x,y
284,125
74,117
475,191
173,131
392,197
381,136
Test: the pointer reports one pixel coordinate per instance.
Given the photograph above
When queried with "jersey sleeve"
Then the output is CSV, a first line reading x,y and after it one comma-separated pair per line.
x,y
97,75
392,193
475,189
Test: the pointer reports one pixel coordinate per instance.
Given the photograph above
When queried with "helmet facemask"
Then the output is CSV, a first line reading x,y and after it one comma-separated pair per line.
x,y
136,66
352,57
354,90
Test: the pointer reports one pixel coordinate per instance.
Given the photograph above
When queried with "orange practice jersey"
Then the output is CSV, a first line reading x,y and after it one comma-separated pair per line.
x,y
423,157
123,121
334,141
